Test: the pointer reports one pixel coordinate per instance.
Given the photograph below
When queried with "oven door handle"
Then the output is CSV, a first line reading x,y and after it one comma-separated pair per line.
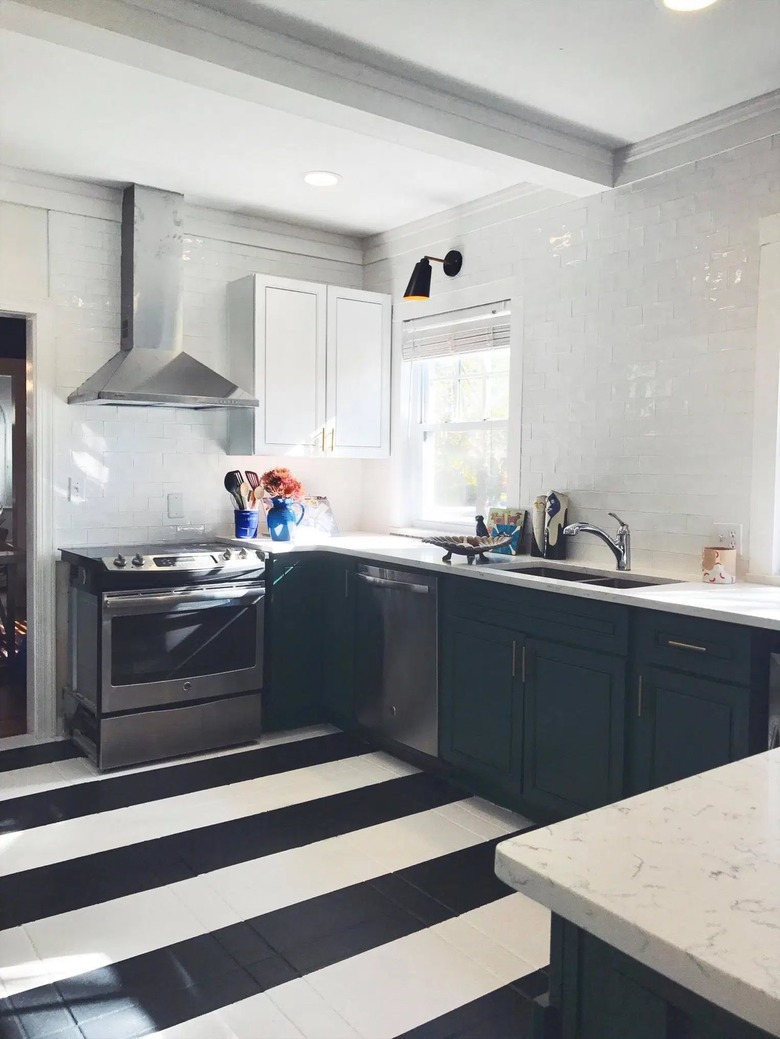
x,y
201,598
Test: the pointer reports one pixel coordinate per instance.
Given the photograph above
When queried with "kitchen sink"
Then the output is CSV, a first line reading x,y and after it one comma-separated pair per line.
x,y
593,577
551,572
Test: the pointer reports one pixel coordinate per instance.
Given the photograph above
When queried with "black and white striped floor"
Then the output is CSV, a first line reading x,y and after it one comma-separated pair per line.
x,y
303,886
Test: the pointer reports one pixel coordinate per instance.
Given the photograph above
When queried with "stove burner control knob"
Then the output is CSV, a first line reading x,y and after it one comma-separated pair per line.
x,y
120,561
242,553
227,554
138,559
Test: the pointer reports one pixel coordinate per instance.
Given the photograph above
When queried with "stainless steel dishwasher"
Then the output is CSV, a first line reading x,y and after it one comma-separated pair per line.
x,y
396,656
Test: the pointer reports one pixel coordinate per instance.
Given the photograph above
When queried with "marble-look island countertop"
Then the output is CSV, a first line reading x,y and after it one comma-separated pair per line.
x,y
755,605
685,879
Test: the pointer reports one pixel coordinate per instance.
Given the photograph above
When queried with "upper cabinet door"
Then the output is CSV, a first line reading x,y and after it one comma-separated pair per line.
x,y
290,329
358,380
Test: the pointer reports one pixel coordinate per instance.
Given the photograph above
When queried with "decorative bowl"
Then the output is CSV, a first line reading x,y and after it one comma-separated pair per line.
x,y
471,546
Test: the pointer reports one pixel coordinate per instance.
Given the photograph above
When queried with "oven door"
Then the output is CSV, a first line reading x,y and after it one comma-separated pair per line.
x,y
177,644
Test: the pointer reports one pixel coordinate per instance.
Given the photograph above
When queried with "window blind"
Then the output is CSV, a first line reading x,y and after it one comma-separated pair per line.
x,y
457,332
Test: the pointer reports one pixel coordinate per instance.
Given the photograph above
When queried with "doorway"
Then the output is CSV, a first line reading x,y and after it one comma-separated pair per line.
x,y
13,527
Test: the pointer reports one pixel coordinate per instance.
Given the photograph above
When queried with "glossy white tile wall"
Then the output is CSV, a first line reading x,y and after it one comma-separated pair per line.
x,y
131,458
639,327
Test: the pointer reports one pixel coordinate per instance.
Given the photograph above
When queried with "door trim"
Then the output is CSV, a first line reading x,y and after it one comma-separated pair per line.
x,y
40,369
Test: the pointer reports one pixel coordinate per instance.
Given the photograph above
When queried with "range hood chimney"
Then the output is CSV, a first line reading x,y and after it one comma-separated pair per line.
x,y
151,368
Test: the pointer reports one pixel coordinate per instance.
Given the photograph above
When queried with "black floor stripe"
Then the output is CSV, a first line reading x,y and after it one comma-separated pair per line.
x,y
186,980
77,883
38,754
106,795
505,1013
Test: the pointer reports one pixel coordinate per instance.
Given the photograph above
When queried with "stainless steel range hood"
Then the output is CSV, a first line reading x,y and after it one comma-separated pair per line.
x,y
151,368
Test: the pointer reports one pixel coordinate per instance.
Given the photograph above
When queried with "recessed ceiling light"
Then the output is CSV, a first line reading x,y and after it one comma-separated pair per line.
x,y
688,5
322,179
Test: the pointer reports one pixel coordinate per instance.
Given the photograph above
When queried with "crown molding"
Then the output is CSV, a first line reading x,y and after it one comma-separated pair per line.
x,y
216,50
497,208
730,128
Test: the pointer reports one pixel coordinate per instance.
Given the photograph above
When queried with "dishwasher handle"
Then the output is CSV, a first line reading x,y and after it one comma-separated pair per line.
x,y
385,582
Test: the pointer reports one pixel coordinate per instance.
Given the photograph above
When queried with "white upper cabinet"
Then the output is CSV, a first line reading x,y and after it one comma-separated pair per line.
x,y
318,359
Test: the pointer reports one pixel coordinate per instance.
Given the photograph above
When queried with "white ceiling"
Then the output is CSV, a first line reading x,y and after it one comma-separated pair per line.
x,y
622,69
420,105
77,115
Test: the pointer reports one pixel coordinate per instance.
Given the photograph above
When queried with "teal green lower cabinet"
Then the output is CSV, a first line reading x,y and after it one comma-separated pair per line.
x,y
481,702
573,728
337,618
682,724
293,643
597,992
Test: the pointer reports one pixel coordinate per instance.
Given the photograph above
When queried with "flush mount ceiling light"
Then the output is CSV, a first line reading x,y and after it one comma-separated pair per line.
x,y
322,179
688,5
419,286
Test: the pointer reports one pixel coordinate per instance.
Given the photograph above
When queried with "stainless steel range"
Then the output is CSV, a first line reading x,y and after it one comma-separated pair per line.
x,y
165,649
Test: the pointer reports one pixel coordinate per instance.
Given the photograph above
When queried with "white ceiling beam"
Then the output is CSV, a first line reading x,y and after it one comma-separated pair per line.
x,y
185,41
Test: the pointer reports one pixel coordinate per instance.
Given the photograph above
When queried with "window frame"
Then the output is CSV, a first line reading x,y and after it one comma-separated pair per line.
x,y
444,302
417,430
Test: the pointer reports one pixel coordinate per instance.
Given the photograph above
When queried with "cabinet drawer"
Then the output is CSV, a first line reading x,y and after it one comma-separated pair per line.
x,y
569,619
696,646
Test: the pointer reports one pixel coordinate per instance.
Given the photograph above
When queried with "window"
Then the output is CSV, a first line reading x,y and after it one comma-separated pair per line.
x,y
458,415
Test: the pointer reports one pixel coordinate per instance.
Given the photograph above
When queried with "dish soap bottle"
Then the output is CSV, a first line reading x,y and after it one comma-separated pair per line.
x,y
482,531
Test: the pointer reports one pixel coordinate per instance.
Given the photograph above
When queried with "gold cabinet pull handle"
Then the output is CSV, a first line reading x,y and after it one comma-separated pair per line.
x,y
514,657
323,439
639,699
686,645
333,439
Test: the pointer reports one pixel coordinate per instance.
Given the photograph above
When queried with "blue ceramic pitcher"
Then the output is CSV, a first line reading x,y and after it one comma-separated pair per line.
x,y
282,520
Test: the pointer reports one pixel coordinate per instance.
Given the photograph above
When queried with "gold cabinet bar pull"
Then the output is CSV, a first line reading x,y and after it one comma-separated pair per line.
x,y
514,657
323,439
639,699
333,439
686,645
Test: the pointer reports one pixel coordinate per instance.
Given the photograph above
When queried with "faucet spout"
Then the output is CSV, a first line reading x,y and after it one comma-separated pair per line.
x,y
620,545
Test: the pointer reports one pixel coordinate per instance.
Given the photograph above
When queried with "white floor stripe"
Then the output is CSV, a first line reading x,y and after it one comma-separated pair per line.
x,y
38,778
395,987
72,943
73,838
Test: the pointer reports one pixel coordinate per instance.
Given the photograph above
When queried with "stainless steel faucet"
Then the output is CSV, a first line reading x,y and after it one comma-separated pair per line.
x,y
620,544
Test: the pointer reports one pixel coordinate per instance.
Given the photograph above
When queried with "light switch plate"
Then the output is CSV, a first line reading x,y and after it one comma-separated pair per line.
x,y
729,535
175,506
75,489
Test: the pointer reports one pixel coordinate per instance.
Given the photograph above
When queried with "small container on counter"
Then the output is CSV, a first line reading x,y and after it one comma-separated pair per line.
x,y
718,565
246,523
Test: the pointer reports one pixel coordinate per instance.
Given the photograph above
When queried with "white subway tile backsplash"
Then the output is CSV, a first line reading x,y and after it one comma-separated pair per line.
x,y
638,361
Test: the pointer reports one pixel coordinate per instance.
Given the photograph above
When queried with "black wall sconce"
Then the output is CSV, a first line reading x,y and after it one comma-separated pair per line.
x,y
419,286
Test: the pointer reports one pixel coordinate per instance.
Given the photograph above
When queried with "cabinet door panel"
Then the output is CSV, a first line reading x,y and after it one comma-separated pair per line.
x,y
292,690
687,725
338,643
481,699
291,371
358,373
574,710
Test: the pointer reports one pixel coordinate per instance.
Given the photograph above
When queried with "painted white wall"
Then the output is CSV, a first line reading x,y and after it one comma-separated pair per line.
x,y
129,459
639,315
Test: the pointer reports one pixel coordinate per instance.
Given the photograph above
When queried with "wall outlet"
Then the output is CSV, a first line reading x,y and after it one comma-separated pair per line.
x,y
729,535
175,506
75,489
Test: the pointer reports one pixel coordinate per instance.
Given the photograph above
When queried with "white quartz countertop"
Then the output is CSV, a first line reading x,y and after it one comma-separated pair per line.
x,y
756,605
685,879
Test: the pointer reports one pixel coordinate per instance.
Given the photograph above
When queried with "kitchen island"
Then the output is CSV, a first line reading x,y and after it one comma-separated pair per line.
x,y
667,909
